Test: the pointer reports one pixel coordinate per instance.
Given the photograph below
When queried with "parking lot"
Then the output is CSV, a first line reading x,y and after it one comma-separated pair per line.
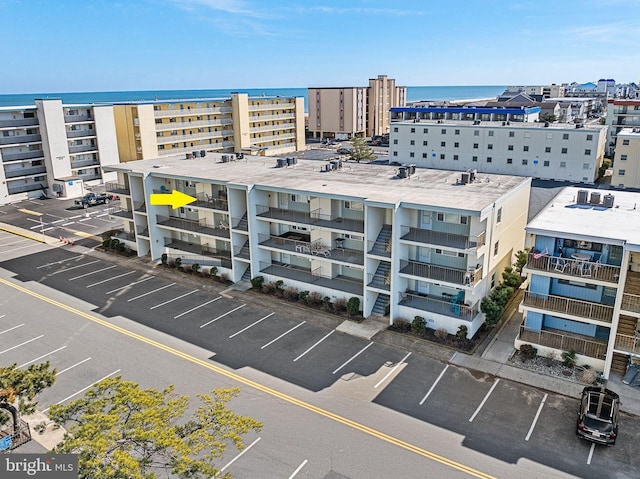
x,y
498,418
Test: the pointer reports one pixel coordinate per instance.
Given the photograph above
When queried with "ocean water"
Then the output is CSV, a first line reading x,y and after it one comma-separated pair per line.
x,y
414,93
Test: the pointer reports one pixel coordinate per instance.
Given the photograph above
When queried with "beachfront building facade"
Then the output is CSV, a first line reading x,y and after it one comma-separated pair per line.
x,y
240,124
621,113
583,271
54,149
336,112
506,146
626,162
338,230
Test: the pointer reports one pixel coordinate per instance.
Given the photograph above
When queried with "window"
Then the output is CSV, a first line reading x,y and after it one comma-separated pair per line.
x,y
525,148
476,132
425,143
510,147
442,156
563,164
547,149
499,215
412,142
495,248
456,145
475,146
546,163
565,136
621,172
587,152
443,143
549,136
512,134
475,158
623,157
395,153
425,130
443,131
489,159
353,205
395,129
449,253
489,146
625,142
424,155
509,161
455,157
452,218
491,133
525,162
413,130
564,151
493,280
589,137
456,132
395,141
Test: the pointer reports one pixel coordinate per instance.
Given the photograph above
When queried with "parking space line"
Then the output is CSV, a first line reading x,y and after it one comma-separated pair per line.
x,y
150,292
2,316
10,329
130,284
61,261
593,446
93,272
74,267
110,279
223,315
282,335
21,344
535,419
46,229
84,389
16,249
174,299
197,307
484,400
433,386
69,223
58,221
43,356
251,325
74,217
326,336
71,367
391,372
304,463
13,238
222,469
352,358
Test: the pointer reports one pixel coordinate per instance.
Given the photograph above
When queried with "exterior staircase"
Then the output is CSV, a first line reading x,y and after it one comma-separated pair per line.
x,y
381,304
247,274
381,278
382,245
243,224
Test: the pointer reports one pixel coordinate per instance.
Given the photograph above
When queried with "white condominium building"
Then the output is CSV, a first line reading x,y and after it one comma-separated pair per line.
x,y
626,162
54,149
621,113
536,149
425,244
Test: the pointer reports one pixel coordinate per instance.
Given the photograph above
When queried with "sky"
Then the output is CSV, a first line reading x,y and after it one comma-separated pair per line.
x,y
111,45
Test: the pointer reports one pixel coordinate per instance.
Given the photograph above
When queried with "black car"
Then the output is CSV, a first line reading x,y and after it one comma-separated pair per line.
x,y
598,415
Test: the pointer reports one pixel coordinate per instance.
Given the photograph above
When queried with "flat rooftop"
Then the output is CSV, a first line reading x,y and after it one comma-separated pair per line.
x,y
378,183
499,124
564,216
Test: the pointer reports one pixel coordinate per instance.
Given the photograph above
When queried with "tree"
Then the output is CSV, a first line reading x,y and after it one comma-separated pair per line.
x,y
492,311
521,260
119,430
419,325
360,150
550,117
511,278
19,387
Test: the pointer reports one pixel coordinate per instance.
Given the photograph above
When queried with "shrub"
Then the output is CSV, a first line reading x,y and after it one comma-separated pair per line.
x,y
290,294
340,305
402,325
106,243
164,258
441,333
353,306
224,277
178,263
511,278
171,264
492,311
569,358
550,359
501,294
461,334
256,283
588,376
195,267
214,272
279,286
521,260
113,244
419,325
314,299
302,295
120,247
528,352
326,303
269,288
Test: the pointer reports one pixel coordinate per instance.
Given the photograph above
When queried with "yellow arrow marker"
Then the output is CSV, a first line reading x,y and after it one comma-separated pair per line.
x,y
176,199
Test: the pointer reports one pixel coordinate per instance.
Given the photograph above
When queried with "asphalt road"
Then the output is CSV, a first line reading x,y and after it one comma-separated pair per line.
x,y
493,426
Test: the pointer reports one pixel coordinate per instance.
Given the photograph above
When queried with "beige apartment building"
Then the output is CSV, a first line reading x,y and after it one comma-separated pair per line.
x,y
240,124
354,111
626,162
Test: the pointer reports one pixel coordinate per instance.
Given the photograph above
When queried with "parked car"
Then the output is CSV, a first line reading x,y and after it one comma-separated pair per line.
x,y
344,151
93,199
598,415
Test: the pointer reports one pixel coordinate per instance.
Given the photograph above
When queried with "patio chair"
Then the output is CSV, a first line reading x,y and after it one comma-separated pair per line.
x,y
560,265
585,269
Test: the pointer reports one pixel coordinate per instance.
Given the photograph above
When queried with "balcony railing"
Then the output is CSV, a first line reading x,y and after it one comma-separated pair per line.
x,y
305,275
176,113
196,248
440,238
631,302
80,133
564,342
433,304
23,155
77,118
82,148
315,248
203,135
441,273
18,122
12,190
573,307
117,188
184,125
18,139
272,106
120,212
25,172
126,236
196,226
572,267
83,163
280,116
204,200
629,344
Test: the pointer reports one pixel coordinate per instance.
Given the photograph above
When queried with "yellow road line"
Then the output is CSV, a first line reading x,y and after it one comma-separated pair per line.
x,y
34,238
272,392
29,212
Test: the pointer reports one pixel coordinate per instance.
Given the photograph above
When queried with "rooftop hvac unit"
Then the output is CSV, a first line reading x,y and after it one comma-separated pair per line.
x,y
203,153
281,162
225,159
195,154
412,169
472,175
608,200
402,172
595,198
582,197
546,124
464,178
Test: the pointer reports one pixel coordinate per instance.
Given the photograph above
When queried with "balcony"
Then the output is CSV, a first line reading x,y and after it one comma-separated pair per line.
x,y
281,116
176,113
75,164
19,139
439,238
24,155
568,306
193,136
25,172
435,304
265,139
272,106
12,190
80,133
564,342
309,249
314,218
126,236
82,148
18,122
599,272
117,189
196,248
200,146
203,200
630,302
441,273
296,273
195,226
185,125
120,212
280,127
629,344
77,118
